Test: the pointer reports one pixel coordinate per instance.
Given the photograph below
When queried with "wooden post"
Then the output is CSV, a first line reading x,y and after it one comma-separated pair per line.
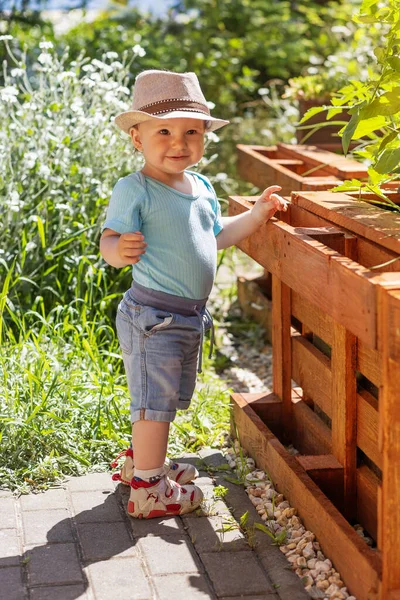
x,y
281,351
389,413
344,411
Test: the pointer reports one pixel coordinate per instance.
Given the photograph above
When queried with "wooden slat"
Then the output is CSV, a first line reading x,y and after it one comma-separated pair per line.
x,y
358,565
367,253
344,411
310,434
264,166
367,500
338,286
334,164
268,407
358,217
367,426
369,363
281,350
327,473
389,344
309,314
311,370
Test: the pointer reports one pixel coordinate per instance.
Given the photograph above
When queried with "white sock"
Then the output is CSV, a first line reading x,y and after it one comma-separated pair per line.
x,y
150,475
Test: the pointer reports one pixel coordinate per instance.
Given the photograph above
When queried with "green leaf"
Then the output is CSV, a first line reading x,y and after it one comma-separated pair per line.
x,y
244,518
394,62
387,104
41,231
349,131
387,139
315,110
349,185
367,126
388,161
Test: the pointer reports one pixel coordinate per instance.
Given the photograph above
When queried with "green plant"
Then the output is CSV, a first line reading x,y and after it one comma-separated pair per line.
x,y
374,105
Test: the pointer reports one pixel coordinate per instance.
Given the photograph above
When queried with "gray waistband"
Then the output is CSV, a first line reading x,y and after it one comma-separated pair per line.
x,y
164,301
178,304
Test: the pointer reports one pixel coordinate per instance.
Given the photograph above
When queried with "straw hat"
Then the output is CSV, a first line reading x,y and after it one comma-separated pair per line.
x,y
165,95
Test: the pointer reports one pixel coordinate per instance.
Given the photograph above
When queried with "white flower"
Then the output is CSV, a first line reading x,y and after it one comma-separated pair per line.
x,y
116,64
138,50
6,37
66,75
221,176
88,68
17,72
45,45
137,37
30,246
263,91
182,18
111,55
30,159
44,170
210,105
15,202
45,59
124,90
9,94
212,136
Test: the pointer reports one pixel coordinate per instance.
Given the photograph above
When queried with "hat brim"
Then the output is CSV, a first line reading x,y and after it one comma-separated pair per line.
x,y
127,120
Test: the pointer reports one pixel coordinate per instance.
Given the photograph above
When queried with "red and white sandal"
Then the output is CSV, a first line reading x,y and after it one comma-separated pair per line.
x,y
166,497
180,472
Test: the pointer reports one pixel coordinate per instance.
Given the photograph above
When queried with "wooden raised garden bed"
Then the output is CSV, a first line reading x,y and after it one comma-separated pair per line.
x,y
336,334
296,168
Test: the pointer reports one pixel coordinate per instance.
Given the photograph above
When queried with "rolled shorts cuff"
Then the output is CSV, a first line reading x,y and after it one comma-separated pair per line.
x,y
148,414
183,404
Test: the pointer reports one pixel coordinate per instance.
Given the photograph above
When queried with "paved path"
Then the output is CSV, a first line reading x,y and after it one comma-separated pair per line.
x,y
77,542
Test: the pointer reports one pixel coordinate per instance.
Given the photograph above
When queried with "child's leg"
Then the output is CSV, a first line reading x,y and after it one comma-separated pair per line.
x,y
149,441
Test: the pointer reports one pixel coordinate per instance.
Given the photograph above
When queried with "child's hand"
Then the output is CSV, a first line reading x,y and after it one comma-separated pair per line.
x,y
268,203
131,246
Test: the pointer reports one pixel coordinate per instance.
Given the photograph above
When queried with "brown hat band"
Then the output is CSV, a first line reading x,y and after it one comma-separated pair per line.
x,y
178,104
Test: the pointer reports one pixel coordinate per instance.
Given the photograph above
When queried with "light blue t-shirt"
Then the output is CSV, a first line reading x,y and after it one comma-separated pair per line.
x,y
180,230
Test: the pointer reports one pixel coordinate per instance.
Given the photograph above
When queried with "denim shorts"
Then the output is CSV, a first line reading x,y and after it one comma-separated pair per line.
x,y
160,351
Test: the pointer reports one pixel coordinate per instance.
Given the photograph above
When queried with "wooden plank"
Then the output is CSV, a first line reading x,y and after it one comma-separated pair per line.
x,y
309,314
264,166
311,370
344,411
366,253
368,426
327,473
367,500
281,350
338,286
359,566
373,223
369,363
334,164
389,344
268,407
310,434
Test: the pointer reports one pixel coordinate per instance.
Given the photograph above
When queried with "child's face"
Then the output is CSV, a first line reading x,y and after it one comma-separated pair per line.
x,y
170,145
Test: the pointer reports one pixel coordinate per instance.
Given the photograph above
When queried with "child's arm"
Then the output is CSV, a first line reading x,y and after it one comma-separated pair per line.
x,y
119,250
241,226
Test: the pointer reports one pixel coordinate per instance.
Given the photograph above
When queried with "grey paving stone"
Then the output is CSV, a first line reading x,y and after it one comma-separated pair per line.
x,y
279,571
45,501
245,597
182,587
41,526
60,592
235,573
206,534
9,548
105,540
91,483
7,513
11,587
210,507
119,579
157,527
169,555
96,507
53,564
